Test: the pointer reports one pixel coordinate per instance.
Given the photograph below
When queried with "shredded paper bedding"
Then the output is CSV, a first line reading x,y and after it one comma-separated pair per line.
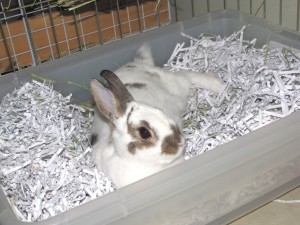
x,y
46,164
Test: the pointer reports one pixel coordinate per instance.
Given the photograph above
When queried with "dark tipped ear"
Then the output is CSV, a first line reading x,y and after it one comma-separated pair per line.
x,y
117,86
110,94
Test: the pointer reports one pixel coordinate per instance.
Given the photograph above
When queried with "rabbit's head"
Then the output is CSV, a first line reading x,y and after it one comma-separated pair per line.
x,y
139,131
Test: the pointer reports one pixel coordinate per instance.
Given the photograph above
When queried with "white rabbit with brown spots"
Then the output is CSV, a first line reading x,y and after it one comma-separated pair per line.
x,y
137,125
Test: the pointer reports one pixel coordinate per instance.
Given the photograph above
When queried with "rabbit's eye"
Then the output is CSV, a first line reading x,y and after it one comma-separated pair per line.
x,y
144,133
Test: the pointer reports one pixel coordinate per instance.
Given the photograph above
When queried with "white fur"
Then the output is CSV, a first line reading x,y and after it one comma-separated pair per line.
x,y
160,103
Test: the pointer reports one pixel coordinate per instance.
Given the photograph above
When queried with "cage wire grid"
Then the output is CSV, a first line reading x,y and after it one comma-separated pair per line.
x,y
35,31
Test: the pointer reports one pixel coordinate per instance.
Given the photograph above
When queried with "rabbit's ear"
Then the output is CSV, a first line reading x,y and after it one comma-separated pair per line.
x,y
108,103
111,95
104,98
144,55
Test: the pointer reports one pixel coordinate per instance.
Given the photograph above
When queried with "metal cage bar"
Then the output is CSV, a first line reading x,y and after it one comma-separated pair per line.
x,y
139,15
53,30
28,31
100,36
158,14
119,19
6,48
77,30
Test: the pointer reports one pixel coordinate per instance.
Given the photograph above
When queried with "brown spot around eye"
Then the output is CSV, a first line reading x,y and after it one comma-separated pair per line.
x,y
170,144
140,143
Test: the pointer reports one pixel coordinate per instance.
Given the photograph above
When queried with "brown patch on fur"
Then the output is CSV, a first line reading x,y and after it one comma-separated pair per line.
x,y
94,139
170,144
139,142
136,85
131,148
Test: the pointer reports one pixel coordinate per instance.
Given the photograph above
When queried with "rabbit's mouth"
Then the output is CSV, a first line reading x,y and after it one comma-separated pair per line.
x,y
181,144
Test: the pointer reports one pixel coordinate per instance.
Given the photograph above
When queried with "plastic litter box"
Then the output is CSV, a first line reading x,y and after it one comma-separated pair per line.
x,y
213,188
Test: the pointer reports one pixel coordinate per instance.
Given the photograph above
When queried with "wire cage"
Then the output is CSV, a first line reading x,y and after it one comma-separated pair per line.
x,y
35,31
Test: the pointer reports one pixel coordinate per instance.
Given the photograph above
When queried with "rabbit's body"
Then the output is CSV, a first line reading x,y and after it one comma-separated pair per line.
x,y
156,101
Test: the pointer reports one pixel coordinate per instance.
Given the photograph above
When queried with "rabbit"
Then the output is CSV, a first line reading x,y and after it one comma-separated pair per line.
x,y
137,128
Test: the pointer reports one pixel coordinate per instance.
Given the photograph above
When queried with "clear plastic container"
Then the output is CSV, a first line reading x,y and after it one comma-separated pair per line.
x,y
213,188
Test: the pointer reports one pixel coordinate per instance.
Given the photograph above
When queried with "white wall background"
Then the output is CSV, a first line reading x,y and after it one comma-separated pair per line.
x,y
282,12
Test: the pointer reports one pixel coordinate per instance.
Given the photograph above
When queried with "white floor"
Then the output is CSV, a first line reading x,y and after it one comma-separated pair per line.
x,y
275,213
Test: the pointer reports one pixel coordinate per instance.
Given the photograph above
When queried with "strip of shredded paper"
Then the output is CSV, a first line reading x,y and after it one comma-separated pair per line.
x,y
46,165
